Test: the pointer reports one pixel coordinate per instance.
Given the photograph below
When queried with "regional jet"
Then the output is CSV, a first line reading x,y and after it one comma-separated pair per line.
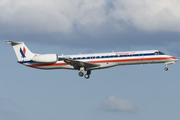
x,y
88,62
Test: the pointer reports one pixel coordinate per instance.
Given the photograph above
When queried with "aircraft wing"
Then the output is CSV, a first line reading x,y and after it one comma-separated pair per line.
x,y
78,63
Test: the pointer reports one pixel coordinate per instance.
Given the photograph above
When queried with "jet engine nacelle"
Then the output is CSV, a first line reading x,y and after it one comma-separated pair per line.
x,y
46,58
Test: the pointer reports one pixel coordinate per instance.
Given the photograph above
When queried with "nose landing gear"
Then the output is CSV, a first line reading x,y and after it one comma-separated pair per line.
x,y
166,68
167,63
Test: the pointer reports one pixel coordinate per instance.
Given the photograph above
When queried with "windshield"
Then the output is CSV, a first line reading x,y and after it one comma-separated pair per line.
x,y
159,53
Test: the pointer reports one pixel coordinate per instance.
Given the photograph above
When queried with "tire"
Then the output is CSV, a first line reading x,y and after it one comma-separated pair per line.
x,y
86,76
81,74
166,69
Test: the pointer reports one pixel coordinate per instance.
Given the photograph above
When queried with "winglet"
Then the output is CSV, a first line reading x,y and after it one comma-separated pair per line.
x,y
12,43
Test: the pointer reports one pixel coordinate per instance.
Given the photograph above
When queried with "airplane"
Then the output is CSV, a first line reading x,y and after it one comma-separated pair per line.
x,y
88,62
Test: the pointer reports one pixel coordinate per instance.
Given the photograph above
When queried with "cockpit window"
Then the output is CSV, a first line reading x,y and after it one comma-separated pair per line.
x,y
159,53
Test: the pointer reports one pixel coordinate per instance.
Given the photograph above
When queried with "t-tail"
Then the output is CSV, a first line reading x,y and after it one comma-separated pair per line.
x,y
21,50
25,55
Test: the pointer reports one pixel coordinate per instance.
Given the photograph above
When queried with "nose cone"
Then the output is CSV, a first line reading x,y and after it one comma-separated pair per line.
x,y
172,58
175,59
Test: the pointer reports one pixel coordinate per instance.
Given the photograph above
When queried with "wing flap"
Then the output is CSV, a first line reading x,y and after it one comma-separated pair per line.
x,y
79,63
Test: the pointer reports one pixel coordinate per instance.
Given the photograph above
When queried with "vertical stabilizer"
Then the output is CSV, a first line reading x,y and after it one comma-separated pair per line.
x,y
22,52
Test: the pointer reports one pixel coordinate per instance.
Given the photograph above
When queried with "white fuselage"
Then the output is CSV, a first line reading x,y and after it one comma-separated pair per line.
x,y
106,60
88,62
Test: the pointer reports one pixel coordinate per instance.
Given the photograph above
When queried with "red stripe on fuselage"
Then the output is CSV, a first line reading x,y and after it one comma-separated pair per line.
x,y
109,61
44,65
134,60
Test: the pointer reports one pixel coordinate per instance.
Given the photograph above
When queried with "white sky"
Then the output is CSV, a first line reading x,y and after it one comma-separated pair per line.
x,y
89,15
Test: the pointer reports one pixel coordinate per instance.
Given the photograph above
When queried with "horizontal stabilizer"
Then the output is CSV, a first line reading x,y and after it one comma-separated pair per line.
x,y
13,43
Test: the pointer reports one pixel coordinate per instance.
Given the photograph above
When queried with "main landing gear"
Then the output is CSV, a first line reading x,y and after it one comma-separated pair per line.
x,y
81,74
87,75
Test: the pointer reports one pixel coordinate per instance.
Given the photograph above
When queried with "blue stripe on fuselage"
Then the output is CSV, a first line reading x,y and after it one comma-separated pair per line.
x,y
97,57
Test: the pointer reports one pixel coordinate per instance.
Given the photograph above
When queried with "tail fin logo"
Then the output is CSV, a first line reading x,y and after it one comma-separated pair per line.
x,y
23,52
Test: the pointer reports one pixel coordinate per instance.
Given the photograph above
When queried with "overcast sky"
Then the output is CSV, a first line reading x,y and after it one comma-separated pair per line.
x,y
87,26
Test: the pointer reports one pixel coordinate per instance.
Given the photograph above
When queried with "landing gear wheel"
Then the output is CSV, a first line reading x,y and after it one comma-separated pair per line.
x,y
166,69
86,76
81,74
